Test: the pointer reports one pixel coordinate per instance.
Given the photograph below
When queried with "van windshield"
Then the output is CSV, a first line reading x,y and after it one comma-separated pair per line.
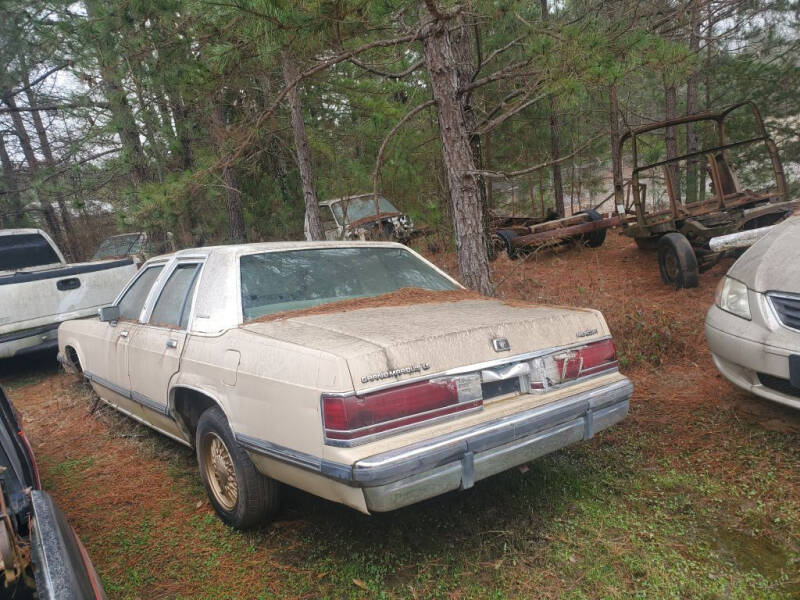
x,y
292,280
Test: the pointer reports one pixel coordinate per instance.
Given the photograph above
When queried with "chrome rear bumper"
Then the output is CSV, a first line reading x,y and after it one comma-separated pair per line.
x,y
456,461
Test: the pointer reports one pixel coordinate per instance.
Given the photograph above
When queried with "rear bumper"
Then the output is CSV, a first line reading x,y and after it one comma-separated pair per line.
x,y
29,340
456,461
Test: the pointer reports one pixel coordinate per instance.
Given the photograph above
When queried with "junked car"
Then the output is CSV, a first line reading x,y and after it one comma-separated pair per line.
x,y
355,371
363,217
40,554
753,328
138,243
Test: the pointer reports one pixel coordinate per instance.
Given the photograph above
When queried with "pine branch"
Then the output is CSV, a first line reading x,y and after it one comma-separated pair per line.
x,y
549,163
418,34
387,74
395,129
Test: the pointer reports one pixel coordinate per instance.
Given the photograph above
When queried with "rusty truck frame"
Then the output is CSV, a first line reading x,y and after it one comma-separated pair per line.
x,y
681,232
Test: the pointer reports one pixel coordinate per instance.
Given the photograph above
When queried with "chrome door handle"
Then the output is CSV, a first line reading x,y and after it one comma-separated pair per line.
x,y
172,344
123,334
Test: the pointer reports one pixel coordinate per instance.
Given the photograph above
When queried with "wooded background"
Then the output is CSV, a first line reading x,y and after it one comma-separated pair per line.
x,y
222,121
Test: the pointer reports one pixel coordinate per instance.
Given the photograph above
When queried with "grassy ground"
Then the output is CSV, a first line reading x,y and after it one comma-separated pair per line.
x,y
695,495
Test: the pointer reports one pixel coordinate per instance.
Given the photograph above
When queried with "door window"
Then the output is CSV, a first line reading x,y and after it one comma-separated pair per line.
x,y
130,307
175,301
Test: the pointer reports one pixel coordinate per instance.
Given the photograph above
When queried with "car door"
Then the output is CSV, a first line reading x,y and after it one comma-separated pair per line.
x,y
155,349
107,360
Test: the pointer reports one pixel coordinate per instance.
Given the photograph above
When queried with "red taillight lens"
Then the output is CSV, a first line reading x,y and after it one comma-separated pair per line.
x,y
352,417
589,360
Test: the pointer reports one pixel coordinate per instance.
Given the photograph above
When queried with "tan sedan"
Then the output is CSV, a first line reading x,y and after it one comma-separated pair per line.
x,y
358,372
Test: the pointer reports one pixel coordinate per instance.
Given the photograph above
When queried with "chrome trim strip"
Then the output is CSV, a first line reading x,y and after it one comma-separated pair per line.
x,y
129,394
775,312
426,455
328,468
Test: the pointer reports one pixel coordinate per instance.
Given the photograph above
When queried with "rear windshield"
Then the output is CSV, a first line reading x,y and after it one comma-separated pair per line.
x,y
119,245
280,281
25,250
355,209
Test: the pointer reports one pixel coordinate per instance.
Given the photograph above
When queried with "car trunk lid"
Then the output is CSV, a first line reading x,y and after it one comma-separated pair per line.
x,y
390,344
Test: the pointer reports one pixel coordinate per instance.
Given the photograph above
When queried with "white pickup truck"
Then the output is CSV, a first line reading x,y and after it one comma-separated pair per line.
x,y
39,290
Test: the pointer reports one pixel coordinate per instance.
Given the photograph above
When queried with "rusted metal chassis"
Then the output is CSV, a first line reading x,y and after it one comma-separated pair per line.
x,y
561,229
648,224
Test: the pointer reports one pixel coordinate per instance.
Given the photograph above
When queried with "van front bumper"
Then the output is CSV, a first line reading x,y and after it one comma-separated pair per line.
x,y
456,461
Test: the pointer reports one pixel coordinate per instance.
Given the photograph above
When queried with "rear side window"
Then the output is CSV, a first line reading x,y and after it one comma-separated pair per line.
x,y
131,304
175,301
25,250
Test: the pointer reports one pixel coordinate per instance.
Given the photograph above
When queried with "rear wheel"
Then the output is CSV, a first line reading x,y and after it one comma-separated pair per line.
x,y
594,239
677,261
241,496
502,240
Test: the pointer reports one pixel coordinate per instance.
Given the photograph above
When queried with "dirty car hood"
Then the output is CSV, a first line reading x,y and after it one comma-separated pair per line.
x,y
773,262
439,336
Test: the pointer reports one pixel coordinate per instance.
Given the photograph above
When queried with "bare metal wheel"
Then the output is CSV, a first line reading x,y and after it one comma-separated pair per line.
x,y
219,471
241,496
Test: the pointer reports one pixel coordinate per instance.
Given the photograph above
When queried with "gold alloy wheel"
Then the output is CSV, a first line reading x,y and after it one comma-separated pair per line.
x,y
219,470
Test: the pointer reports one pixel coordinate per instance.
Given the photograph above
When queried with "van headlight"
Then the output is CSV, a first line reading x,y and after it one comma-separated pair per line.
x,y
731,296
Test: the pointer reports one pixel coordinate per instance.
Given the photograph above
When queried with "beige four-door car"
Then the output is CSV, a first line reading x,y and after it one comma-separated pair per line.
x,y
358,372
753,328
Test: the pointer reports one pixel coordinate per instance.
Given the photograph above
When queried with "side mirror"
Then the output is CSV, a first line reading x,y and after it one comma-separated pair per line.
x,y
109,314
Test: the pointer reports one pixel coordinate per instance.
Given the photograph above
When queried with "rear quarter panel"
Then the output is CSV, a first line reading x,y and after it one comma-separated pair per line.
x,y
269,390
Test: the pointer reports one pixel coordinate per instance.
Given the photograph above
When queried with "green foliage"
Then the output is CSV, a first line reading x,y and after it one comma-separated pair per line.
x,y
194,82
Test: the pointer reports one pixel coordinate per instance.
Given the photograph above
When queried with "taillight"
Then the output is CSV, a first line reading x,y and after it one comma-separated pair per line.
x,y
353,417
588,360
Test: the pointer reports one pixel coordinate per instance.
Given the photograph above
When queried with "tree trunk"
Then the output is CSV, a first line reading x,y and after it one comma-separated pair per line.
x,y
692,168
181,117
33,164
671,137
463,39
315,229
70,247
459,161
233,196
555,142
616,159
236,231
123,118
15,214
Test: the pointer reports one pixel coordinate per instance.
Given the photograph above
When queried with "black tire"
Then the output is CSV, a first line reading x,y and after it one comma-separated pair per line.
x,y
596,238
677,261
501,240
257,497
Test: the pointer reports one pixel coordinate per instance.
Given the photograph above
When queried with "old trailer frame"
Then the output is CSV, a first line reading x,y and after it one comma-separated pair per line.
x,y
682,232
517,235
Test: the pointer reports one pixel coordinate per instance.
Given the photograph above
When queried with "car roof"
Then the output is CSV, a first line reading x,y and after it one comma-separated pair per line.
x,y
20,231
330,201
256,248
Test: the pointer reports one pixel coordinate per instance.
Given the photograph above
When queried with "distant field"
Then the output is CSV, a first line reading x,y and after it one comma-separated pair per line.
x,y
695,495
